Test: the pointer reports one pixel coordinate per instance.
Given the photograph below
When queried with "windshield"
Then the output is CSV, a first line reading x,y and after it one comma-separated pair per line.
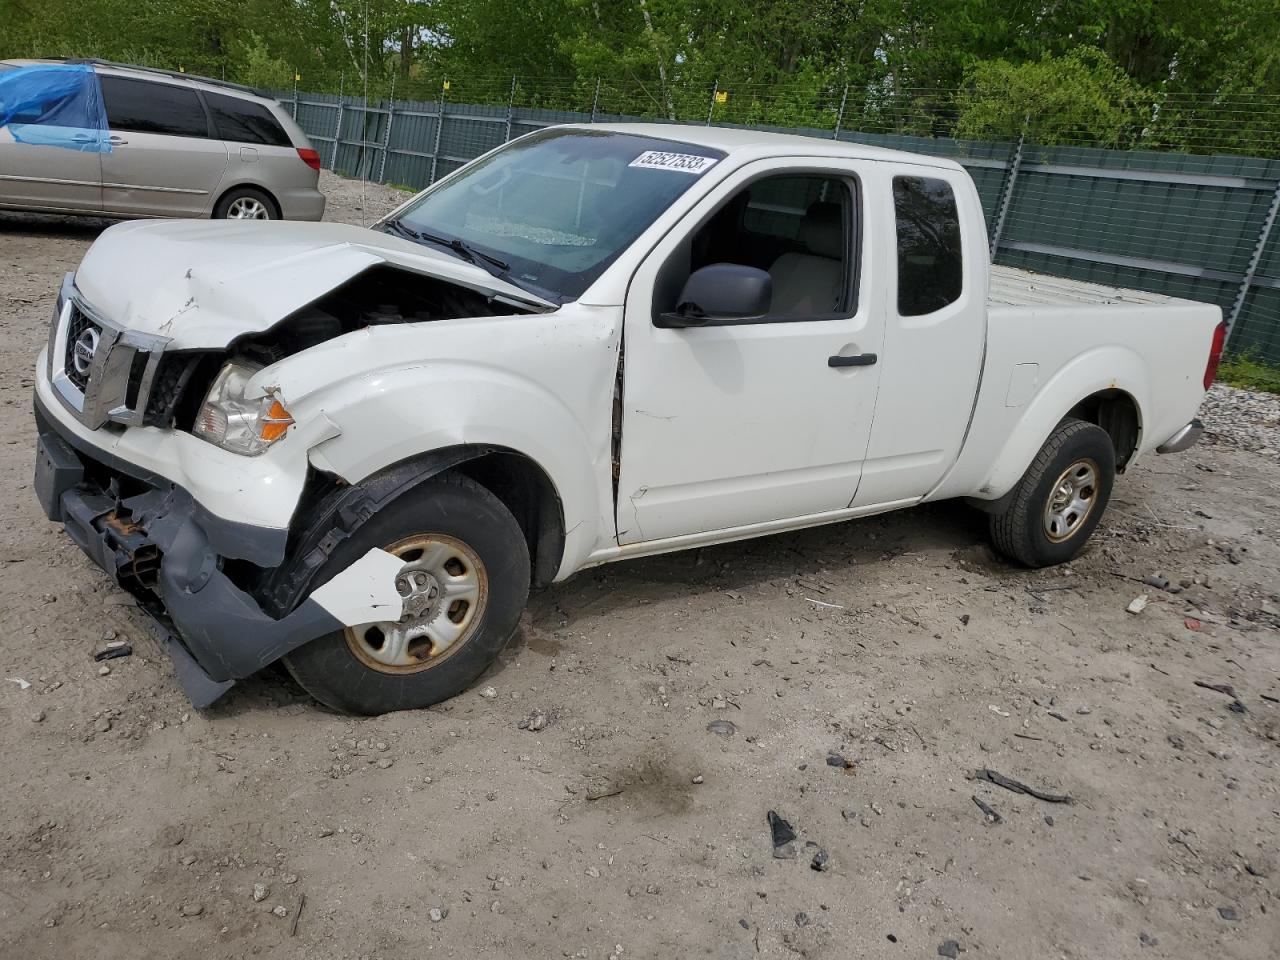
x,y
551,211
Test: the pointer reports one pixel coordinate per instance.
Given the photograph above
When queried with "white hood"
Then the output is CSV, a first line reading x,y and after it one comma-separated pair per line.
x,y
204,283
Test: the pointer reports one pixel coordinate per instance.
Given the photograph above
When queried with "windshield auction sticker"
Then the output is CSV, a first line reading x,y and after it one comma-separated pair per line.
x,y
684,162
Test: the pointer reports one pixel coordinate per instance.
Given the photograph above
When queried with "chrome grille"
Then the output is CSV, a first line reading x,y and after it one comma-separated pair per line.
x,y
100,371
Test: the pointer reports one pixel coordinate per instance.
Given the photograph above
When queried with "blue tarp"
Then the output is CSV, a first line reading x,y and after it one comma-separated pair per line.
x,y
55,105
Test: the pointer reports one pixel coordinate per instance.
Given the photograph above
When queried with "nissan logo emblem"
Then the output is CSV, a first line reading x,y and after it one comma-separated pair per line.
x,y
85,347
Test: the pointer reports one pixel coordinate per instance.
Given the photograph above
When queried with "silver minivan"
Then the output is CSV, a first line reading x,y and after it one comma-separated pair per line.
x,y
180,146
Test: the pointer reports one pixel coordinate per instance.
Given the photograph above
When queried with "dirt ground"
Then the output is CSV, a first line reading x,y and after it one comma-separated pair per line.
x,y
137,827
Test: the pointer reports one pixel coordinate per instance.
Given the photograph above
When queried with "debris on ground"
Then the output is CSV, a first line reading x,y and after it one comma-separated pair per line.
x,y
783,837
1228,690
988,811
113,651
22,684
839,761
722,728
533,722
1138,603
1000,780
820,861
949,948
1228,913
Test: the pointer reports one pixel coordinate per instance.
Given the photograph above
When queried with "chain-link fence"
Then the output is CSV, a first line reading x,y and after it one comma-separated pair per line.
x,y
1196,222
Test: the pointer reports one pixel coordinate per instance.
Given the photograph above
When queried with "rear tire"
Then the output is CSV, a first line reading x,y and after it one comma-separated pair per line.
x,y
1060,499
246,203
483,556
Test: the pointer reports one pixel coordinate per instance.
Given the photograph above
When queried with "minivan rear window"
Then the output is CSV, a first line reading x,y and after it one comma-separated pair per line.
x,y
930,264
144,106
243,121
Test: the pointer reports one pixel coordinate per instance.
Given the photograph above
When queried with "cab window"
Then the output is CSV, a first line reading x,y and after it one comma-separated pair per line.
x,y
930,264
800,228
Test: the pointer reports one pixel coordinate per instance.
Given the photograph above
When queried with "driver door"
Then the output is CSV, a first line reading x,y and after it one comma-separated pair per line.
x,y
758,422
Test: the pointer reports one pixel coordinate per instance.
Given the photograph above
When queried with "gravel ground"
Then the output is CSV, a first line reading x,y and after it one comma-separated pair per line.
x,y
619,823
1242,419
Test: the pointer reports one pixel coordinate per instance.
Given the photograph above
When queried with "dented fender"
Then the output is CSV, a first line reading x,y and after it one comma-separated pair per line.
x,y
536,385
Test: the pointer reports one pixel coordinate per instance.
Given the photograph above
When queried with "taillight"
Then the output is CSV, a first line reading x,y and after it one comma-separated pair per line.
x,y
309,157
1215,354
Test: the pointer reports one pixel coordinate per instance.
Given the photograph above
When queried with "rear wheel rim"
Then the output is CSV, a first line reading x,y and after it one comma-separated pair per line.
x,y
1071,500
248,208
444,588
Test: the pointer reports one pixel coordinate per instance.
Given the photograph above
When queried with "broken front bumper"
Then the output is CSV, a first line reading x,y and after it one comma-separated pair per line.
x,y
165,549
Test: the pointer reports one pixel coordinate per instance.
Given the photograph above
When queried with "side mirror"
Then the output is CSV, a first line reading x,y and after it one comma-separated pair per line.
x,y
719,295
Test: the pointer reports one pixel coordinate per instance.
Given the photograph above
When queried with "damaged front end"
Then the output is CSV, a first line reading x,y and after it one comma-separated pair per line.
x,y
138,386
171,554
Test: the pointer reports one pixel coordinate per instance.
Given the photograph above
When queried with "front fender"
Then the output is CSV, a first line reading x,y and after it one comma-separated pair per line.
x,y
1103,368
391,415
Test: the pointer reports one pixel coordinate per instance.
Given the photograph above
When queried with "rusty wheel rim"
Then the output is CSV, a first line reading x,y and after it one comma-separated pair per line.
x,y
444,588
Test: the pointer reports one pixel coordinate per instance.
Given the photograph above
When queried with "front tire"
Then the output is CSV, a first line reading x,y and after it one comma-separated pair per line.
x,y
1058,502
465,582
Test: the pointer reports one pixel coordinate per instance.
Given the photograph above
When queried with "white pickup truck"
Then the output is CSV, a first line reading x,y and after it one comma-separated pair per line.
x,y
355,450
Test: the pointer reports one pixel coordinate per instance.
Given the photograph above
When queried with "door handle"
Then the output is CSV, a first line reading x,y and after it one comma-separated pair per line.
x,y
116,141
82,138
857,360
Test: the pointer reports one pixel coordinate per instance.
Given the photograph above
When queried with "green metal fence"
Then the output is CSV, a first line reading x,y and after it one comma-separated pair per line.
x,y
1199,227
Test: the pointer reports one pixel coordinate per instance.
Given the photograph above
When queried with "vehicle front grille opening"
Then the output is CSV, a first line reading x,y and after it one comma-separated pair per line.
x,y
77,326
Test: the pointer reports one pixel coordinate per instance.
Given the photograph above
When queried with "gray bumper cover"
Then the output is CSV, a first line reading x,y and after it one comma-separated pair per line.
x,y
163,548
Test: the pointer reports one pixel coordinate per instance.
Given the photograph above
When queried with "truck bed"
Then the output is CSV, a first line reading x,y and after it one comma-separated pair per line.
x,y
1012,287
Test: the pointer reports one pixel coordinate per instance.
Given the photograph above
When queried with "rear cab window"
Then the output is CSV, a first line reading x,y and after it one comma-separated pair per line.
x,y
144,106
244,121
930,263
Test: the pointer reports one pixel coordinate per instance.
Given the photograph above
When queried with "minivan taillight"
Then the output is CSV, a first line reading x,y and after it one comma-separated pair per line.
x,y
1215,354
309,157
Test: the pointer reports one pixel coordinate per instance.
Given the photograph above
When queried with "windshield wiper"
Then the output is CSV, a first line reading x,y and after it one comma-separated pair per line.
x,y
463,249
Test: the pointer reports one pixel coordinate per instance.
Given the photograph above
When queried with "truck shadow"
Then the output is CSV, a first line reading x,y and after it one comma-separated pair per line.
x,y
836,553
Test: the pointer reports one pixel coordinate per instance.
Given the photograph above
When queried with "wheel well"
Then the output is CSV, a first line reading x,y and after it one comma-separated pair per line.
x,y
258,188
1117,413
531,497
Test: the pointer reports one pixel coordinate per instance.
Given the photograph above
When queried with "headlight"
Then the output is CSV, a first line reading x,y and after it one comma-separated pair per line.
x,y
242,426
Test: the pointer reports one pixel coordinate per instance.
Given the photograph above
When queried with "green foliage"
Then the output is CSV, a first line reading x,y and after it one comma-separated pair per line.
x,y
1184,74
1081,97
1249,373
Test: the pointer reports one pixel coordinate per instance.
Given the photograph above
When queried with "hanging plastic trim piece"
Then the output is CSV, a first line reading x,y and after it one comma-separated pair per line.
x,y
55,105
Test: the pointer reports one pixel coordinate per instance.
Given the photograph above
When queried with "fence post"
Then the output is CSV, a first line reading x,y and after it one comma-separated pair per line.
x,y
1006,192
386,134
337,130
595,101
435,150
511,107
711,108
1254,259
844,98
295,94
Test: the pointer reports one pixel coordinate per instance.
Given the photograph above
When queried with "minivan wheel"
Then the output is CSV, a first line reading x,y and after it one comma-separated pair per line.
x,y
464,583
245,203
1060,499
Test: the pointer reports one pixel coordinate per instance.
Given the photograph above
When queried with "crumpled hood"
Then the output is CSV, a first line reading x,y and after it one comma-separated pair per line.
x,y
204,283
